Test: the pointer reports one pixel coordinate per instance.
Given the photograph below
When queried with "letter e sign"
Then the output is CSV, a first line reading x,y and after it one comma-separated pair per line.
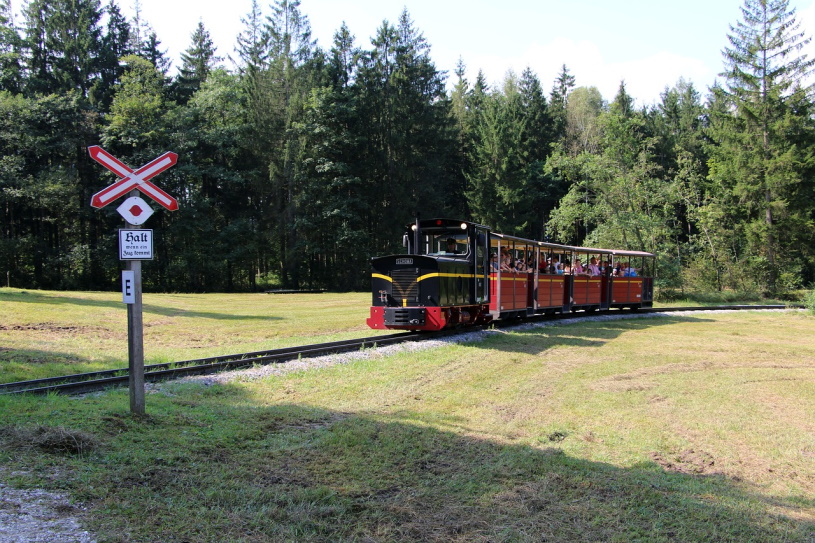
x,y
128,286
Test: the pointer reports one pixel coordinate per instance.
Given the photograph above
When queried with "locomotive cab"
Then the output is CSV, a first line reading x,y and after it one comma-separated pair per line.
x,y
442,281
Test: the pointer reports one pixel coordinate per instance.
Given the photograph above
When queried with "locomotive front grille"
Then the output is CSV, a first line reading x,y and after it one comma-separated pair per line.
x,y
405,286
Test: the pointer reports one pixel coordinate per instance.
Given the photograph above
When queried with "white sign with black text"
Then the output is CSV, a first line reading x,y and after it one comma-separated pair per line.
x,y
135,244
128,287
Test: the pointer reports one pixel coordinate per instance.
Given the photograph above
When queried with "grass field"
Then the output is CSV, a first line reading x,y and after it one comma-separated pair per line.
x,y
680,428
50,333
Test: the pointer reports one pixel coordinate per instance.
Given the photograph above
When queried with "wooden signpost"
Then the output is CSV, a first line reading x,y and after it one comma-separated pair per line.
x,y
135,245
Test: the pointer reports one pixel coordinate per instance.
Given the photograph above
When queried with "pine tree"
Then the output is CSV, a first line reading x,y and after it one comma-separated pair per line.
x,y
542,193
139,28
405,104
764,71
253,42
64,42
151,51
196,63
116,44
10,51
496,179
333,204
564,84
277,97
344,58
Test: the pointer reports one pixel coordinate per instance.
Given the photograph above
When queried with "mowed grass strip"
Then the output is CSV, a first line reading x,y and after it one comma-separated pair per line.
x,y
681,428
50,333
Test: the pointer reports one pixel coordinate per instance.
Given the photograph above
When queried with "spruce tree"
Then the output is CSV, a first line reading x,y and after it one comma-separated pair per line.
x,y
10,51
196,63
116,44
64,42
564,84
151,51
765,71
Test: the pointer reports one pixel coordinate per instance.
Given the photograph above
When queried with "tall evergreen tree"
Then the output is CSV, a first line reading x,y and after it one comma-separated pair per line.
x,y
116,44
253,42
333,206
64,42
284,86
537,136
495,180
76,38
564,84
458,97
151,51
10,51
407,109
196,63
143,41
765,71
139,28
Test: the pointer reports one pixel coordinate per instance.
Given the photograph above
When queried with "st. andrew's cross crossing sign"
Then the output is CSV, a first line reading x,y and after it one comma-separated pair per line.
x,y
130,179
137,242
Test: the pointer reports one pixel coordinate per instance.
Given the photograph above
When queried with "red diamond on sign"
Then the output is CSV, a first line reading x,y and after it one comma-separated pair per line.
x,y
135,210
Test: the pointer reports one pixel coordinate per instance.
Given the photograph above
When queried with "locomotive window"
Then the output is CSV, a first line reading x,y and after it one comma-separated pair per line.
x,y
447,243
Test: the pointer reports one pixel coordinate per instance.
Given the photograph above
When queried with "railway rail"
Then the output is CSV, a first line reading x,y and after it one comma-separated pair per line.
x,y
83,383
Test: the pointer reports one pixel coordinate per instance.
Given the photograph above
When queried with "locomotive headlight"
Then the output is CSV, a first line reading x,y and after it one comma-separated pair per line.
x,y
464,226
413,227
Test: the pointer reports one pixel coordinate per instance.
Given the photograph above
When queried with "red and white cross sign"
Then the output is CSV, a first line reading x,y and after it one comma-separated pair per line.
x,y
138,179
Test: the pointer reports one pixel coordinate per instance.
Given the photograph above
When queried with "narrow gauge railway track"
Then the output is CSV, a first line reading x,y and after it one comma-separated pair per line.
x,y
83,383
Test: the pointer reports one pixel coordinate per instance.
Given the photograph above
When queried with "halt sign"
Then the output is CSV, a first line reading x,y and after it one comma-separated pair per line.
x,y
135,244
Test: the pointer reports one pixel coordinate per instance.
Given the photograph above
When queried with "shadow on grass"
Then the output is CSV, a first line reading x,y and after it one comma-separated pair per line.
x,y
41,298
208,469
535,340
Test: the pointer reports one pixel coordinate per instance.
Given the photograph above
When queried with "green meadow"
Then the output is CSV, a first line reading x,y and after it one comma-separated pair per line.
x,y
53,333
694,427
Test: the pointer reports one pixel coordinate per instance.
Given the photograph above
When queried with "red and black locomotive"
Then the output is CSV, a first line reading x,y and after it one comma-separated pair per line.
x,y
458,273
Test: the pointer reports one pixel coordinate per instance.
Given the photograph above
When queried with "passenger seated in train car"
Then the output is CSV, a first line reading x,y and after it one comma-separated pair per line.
x,y
506,261
548,266
520,265
566,268
494,264
604,268
594,268
617,270
628,271
578,267
558,267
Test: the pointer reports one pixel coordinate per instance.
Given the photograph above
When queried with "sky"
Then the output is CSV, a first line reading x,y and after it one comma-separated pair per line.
x,y
650,44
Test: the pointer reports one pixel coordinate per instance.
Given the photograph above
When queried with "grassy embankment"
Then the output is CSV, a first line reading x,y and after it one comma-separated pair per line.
x,y
685,428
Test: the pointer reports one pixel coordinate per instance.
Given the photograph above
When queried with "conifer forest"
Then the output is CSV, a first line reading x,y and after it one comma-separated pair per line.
x,y
297,164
